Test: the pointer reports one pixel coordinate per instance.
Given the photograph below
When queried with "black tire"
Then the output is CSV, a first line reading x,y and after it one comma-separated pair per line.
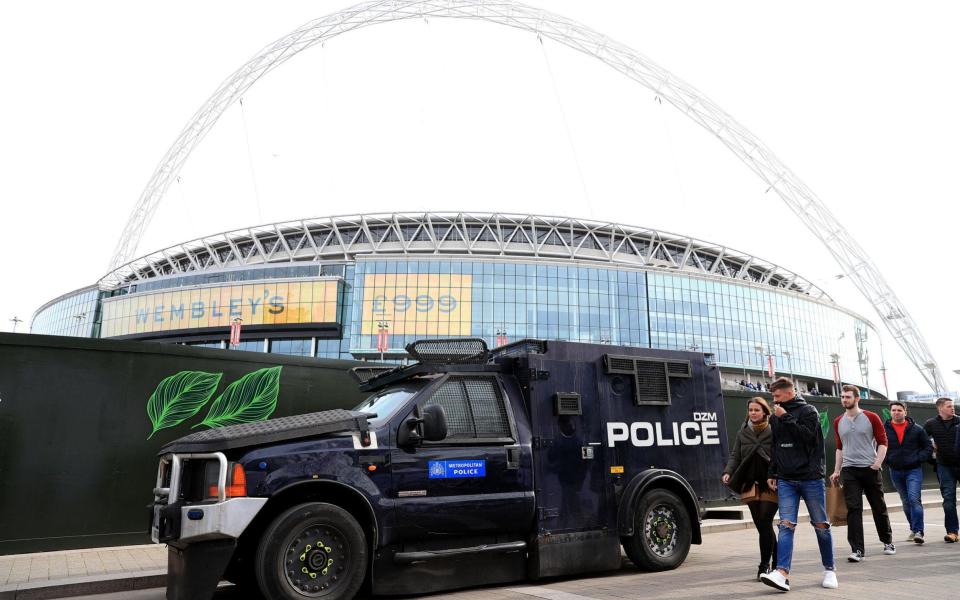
x,y
662,532
313,550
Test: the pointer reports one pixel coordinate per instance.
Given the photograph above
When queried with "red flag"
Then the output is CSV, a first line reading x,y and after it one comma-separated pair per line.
x,y
770,370
235,332
836,373
383,340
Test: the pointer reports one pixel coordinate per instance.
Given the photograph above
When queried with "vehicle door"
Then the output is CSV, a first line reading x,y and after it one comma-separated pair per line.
x,y
472,481
571,462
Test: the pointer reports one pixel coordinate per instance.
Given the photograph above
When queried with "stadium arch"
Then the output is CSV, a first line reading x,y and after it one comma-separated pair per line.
x,y
798,197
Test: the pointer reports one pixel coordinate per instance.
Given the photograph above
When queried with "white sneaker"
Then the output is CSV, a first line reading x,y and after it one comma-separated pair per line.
x,y
775,579
918,537
913,534
855,556
830,580
889,549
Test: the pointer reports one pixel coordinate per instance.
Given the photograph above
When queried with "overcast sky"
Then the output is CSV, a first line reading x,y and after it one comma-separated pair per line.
x,y
857,98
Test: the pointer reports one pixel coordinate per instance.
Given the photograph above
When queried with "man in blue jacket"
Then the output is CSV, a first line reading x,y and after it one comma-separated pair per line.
x,y
944,430
908,448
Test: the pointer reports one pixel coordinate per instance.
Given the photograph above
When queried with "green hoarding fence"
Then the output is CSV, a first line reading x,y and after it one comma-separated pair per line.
x,y
81,422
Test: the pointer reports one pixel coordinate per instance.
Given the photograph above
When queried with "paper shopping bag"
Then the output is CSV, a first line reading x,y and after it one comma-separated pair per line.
x,y
836,505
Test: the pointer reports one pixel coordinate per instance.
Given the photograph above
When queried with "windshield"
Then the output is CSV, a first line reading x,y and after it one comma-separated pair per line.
x,y
386,402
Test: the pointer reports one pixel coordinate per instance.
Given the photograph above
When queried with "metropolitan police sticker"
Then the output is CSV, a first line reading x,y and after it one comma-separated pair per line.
x,y
453,469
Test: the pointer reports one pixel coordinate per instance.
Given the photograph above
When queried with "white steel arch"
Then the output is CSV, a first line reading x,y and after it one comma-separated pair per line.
x,y
854,261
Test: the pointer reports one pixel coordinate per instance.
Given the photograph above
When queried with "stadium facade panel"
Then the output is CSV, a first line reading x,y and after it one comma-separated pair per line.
x,y
365,286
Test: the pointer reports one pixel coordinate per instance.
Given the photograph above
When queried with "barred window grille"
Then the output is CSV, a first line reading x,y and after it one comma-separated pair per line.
x,y
489,413
474,408
453,398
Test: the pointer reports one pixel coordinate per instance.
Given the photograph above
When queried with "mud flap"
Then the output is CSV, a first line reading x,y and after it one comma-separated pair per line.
x,y
571,553
194,570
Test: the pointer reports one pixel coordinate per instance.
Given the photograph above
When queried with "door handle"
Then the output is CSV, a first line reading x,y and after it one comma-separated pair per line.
x,y
513,457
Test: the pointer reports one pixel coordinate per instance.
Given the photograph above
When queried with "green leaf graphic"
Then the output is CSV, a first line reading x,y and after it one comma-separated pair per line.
x,y
179,397
886,414
825,423
253,397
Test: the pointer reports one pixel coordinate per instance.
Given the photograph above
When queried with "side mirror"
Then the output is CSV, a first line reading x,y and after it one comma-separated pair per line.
x,y
434,423
409,433
431,425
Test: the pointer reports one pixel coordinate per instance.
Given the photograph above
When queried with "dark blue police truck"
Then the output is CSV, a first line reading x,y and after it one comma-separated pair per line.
x,y
468,467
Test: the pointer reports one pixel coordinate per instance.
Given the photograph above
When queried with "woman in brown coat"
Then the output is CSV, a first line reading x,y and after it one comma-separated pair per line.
x,y
746,474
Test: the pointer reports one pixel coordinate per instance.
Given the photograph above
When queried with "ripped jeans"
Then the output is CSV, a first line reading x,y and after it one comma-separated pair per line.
x,y
814,496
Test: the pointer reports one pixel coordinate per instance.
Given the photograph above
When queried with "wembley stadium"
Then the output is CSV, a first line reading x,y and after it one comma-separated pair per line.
x,y
365,286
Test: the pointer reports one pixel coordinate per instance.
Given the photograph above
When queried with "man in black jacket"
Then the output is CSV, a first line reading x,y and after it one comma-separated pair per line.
x,y
908,448
796,471
943,430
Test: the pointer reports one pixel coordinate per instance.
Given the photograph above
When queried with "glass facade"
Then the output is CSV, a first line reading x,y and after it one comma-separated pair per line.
x,y
72,315
745,326
255,345
217,345
497,299
387,303
292,347
206,278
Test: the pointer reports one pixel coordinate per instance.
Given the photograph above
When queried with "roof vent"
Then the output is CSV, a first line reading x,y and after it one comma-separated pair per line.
x,y
651,376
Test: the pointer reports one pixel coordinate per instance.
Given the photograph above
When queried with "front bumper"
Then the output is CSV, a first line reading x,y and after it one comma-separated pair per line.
x,y
201,536
173,520
203,522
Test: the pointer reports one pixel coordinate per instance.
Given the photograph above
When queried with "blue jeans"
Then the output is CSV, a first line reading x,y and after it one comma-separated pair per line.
x,y
907,483
948,489
814,496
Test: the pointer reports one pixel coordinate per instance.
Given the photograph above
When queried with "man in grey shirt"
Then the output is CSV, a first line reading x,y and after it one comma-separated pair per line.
x,y
861,448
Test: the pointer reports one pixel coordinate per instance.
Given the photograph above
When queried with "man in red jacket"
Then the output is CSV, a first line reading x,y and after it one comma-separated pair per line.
x,y
908,449
861,448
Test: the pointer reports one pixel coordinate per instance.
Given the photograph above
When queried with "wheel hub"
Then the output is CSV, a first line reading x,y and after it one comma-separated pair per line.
x,y
315,560
660,529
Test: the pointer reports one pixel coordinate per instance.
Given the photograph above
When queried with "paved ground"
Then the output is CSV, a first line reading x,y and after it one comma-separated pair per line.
x,y
44,566
723,567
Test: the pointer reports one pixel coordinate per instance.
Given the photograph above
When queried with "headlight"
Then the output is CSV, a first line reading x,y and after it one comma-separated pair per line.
x,y
236,480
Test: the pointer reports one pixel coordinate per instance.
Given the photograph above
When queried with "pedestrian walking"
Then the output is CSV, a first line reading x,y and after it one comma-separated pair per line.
x,y
746,474
908,447
861,449
796,471
943,429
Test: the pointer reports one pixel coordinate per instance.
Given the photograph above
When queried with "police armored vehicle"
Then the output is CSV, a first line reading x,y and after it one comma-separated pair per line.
x,y
468,467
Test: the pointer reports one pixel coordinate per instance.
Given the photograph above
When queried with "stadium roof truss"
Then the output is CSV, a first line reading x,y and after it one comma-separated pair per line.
x,y
463,234
852,258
